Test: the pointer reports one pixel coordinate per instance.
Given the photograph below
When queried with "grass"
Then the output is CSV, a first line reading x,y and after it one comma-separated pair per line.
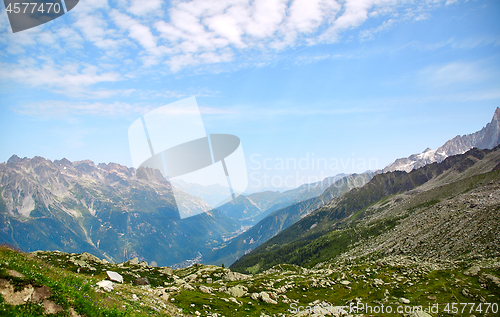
x,y
421,282
68,289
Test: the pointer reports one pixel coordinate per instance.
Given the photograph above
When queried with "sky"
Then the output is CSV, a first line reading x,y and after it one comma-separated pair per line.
x,y
354,83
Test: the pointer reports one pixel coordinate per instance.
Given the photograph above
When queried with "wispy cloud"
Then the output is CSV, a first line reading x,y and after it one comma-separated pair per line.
x,y
71,79
59,108
458,72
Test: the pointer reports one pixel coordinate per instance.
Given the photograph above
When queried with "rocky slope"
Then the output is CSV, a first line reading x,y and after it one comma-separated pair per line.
x,y
418,213
486,138
107,210
48,283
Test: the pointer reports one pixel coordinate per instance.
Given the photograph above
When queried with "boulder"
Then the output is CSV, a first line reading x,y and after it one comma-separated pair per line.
x,y
89,257
235,276
237,291
265,298
115,277
166,270
205,289
141,281
51,307
106,285
473,271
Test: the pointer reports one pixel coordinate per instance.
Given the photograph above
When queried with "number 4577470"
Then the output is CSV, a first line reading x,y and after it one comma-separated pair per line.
x,y
25,7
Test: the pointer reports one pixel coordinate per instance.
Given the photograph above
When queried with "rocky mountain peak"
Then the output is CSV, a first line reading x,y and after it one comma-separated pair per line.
x,y
14,159
486,138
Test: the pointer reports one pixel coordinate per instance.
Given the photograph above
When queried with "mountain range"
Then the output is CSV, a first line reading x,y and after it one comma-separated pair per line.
x,y
108,210
447,210
486,138
118,213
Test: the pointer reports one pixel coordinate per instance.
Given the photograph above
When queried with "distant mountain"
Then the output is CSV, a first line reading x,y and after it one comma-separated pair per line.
x,y
212,194
446,210
107,210
281,219
250,209
487,138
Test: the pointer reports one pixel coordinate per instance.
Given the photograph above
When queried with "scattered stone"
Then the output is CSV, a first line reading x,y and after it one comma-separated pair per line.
x,y
41,293
234,300
345,282
135,298
420,314
485,277
15,274
106,285
187,287
209,280
167,270
134,261
51,307
73,313
378,282
15,298
473,271
235,276
89,257
265,298
205,289
466,293
115,277
403,300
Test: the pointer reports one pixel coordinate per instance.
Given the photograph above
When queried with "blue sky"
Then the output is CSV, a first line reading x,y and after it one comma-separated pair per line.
x,y
363,81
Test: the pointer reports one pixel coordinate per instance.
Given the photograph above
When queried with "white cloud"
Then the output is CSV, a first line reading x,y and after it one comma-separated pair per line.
x,y
196,33
144,7
370,33
71,79
457,73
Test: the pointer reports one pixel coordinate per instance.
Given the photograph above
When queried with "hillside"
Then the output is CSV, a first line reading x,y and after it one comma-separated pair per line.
x,y
447,210
280,220
48,283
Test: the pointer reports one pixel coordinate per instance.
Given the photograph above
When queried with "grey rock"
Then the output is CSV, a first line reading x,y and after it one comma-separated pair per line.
x,y
134,261
141,281
237,291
